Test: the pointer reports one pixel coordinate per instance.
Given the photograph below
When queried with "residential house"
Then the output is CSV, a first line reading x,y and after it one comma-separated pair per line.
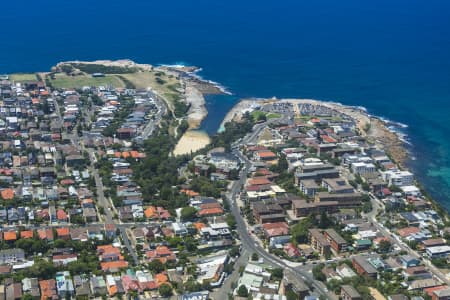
x,y
337,185
90,214
45,234
13,291
438,251
48,289
344,199
349,293
261,209
98,285
302,208
318,242
64,284
74,160
443,294
337,242
30,286
10,256
63,233
363,267
309,187
408,261
275,229
162,253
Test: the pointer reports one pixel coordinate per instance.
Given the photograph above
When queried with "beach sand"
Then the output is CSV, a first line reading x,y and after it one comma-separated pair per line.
x,y
191,141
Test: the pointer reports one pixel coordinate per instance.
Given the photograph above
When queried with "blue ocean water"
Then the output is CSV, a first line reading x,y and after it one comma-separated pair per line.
x,y
389,56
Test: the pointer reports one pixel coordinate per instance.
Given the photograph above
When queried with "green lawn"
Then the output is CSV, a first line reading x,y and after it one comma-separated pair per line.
x,y
273,115
64,81
257,113
22,77
303,119
163,84
333,119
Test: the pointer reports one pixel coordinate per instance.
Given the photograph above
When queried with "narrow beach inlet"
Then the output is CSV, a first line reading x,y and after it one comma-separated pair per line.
x,y
193,140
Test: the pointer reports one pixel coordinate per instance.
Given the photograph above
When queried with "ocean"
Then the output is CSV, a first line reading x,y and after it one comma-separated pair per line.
x,y
392,57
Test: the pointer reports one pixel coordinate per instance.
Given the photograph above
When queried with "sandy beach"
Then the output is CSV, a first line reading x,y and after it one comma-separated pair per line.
x,y
191,141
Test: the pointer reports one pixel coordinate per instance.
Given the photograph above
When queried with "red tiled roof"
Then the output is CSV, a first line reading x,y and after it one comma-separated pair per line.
x,y
407,231
7,194
61,215
45,234
430,290
190,193
67,181
111,265
276,229
161,278
48,288
9,236
150,212
263,171
259,181
266,154
210,205
64,231
210,211
163,213
27,234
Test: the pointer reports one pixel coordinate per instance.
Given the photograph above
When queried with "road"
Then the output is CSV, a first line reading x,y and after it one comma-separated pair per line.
x,y
151,124
371,216
105,203
101,199
248,243
222,292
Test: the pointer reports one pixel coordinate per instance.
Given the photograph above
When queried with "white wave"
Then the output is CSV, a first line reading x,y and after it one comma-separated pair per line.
x,y
394,123
214,83
180,64
402,136
194,74
362,108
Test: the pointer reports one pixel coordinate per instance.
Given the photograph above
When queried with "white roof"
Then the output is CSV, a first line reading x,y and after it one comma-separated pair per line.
x,y
359,164
439,249
277,189
311,160
219,225
410,189
110,280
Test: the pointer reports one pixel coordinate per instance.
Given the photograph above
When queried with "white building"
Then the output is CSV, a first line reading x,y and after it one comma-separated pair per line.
x,y
438,251
411,190
398,178
179,229
363,168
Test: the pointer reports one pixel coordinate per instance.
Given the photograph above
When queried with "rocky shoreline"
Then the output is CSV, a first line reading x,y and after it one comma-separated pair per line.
x,y
197,110
377,133
189,74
